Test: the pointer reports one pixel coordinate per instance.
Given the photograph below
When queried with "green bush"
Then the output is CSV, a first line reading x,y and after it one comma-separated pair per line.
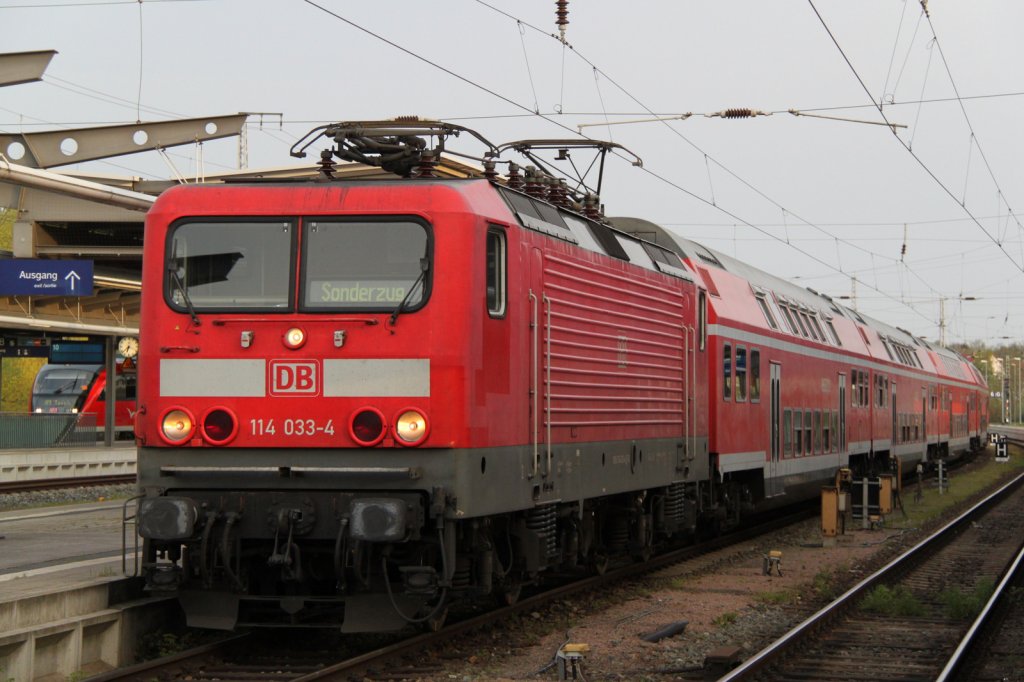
x,y
966,606
726,618
892,601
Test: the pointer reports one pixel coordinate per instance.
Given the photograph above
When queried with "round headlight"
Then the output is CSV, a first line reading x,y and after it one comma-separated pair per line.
x,y
219,426
367,427
294,338
411,427
177,426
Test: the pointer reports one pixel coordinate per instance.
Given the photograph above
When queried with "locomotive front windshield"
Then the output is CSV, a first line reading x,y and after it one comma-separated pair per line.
x,y
231,265
346,265
364,265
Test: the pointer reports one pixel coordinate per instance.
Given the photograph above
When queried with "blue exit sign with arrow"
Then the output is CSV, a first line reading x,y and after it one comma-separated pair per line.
x,y
42,277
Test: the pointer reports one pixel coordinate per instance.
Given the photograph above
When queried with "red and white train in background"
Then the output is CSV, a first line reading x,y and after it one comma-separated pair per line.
x,y
362,400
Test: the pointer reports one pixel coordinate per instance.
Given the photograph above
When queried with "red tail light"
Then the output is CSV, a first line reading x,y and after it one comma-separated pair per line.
x,y
219,426
367,427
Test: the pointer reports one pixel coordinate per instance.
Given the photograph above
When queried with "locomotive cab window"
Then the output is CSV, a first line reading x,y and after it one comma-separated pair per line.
x,y
370,265
243,265
496,260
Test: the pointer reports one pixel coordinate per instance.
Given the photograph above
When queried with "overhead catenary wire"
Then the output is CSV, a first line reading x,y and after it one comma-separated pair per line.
x,y
549,119
728,113
906,146
717,178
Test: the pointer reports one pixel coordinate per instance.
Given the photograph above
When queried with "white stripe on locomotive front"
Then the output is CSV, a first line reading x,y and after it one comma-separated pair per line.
x,y
247,378
377,378
213,378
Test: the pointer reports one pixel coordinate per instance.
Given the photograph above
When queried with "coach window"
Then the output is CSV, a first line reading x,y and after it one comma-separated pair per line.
x,y
762,301
808,426
755,375
741,374
496,259
798,432
810,328
854,373
832,331
726,372
826,433
800,323
835,431
817,327
817,431
789,318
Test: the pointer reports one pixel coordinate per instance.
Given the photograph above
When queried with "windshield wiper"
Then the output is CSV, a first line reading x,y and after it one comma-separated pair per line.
x,y
70,384
424,266
176,278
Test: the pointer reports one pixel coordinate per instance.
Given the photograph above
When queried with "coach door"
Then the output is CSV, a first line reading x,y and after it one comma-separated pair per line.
x,y
842,413
897,435
774,484
924,422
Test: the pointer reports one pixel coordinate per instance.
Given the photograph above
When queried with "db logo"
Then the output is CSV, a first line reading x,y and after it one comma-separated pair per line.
x,y
289,377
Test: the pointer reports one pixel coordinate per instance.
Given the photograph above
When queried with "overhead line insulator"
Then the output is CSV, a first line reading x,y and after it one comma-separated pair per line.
x,y
562,16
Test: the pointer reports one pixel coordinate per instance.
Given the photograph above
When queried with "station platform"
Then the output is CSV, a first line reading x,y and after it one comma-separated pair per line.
x,y
85,462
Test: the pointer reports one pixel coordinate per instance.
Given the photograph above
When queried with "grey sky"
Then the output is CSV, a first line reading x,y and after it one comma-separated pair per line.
x,y
704,177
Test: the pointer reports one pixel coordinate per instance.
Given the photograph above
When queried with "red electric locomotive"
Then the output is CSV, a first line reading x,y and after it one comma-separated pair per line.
x,y
362,400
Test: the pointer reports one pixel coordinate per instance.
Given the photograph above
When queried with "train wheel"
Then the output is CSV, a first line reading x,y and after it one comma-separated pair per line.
x,y
643,554
436,621
509,593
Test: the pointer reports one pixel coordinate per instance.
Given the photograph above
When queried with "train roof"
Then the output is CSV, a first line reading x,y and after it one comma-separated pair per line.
x,y
945,361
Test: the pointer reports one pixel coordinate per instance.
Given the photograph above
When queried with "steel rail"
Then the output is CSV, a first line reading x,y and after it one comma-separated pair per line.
x,y
759,662
71,482
986,618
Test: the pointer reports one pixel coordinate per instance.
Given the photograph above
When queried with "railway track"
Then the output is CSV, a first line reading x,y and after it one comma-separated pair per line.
x,y
75,482
991,650
233,659
903,622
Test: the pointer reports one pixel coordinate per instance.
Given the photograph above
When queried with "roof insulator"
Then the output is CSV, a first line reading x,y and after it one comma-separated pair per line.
x,y
515,180
326,165
426,166
489,169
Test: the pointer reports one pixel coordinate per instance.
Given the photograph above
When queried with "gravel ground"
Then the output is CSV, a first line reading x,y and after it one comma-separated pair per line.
x,y
49,498
724,596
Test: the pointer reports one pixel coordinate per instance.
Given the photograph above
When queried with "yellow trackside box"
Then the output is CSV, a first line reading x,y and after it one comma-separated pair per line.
x,y
829,511
885,490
